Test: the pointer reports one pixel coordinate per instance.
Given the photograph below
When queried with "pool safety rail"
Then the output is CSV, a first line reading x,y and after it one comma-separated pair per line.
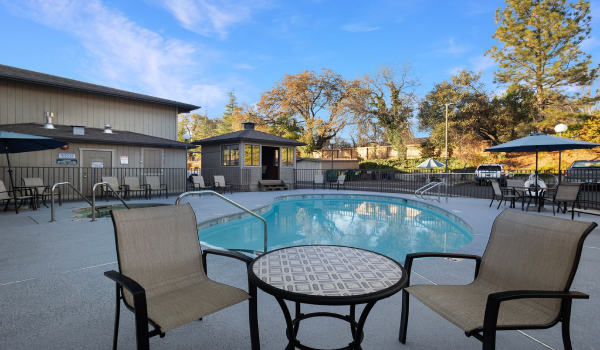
x,y
421,192
94,197
52,218
200,193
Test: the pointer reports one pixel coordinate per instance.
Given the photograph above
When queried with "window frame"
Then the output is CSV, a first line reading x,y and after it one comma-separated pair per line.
x,y
222,161
252,145
285,153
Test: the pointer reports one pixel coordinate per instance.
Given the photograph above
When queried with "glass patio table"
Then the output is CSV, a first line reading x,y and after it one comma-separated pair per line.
x,y
326,275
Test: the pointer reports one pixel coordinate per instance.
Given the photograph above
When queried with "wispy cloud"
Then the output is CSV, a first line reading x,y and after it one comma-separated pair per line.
x,y
127,55
210,17
455,70
358,28
482,63
454,49
243,66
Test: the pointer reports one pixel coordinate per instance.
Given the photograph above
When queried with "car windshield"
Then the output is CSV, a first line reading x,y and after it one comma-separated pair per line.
x,y
586,164
489,168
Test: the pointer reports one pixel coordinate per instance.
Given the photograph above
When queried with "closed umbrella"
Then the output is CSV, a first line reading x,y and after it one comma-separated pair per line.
x,y
13,142
541,143
430,164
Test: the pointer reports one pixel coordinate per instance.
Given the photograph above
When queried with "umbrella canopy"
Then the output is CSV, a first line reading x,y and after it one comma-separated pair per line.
x,y
430,164
14,142
541,142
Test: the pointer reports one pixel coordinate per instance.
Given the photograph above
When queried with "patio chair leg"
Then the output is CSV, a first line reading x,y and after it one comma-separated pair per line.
x,y
566,323
404,317
492,202
500,202
117,315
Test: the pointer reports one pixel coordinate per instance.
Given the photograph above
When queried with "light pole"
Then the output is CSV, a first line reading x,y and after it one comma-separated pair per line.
x,y
331,155
560,128
186,138
447,104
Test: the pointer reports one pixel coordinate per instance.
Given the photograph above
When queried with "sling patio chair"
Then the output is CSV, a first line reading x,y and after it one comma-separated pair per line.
x,y
132,184
162,274
222,186
41,191
522,281
113,182
340,181
198,183
318,181
8,196
566,193
504,195
153,184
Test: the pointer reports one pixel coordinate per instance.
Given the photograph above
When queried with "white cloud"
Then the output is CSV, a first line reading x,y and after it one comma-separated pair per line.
x,y
482,63
128,56
455,70
589,44
243,66
454,49
358,28
210,17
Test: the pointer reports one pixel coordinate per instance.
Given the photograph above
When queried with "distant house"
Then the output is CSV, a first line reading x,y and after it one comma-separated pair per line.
x,y
110,132
327,164
249,153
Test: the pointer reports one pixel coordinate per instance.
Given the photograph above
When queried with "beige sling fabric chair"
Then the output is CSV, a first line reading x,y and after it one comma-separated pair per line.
x,y
198,183
41,191
567,192
340,181
113,182
132,184
521,282
153,184
221,185
503,194
8,196
162,273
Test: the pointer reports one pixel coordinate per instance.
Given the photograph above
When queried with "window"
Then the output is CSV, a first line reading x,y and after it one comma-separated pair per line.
x,y
252,155
287,156
230,155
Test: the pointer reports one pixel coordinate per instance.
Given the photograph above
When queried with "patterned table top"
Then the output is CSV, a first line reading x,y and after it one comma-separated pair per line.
x,y
327,270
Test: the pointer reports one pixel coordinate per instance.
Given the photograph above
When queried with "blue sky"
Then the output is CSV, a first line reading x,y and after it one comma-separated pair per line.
x,y
196,51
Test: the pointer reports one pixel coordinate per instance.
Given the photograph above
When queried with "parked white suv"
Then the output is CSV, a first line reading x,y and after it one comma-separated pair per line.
x,y
486,172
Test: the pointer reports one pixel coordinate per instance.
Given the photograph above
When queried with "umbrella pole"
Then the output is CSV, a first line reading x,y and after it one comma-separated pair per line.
x,y
10,176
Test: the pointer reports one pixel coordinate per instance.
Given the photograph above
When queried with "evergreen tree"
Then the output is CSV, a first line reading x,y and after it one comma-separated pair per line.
x,y
226,125
541,49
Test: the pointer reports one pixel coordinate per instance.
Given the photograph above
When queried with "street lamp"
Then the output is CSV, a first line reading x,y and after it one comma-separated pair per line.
x,y
186,138
560,128
447,104
331,155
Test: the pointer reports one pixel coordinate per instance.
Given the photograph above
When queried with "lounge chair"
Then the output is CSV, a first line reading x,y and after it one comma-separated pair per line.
x,y
566,192
162,274
41,191
198,183
113,182
8,196
340,181
132,184
504,195
221,185
153,184
522,281
318,181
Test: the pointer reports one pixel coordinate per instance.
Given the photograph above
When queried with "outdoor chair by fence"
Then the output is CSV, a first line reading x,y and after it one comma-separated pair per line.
x,y
340,181
162,274
318,181
132,184
22,195
113,182
153,184
566,193
198,183
521,282
221,185
504,194
41,191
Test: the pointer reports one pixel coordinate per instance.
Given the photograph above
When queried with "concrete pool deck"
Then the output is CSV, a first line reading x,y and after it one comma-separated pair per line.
x,y
53,294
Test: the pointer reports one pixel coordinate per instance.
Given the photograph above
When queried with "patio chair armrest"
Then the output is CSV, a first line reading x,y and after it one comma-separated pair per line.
x,y
227,253
132,286
410,257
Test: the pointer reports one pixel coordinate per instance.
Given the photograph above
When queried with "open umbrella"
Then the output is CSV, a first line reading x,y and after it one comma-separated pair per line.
x,y
541,143
430,164
13,142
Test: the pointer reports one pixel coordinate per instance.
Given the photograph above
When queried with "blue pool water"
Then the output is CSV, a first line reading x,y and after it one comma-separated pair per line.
x,y
387,226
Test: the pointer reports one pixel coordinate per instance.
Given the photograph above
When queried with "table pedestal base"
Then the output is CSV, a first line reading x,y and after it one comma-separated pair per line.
x,y
293,326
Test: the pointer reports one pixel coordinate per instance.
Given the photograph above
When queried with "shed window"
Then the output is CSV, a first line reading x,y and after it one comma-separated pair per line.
x,y
252,155
230,155
287,156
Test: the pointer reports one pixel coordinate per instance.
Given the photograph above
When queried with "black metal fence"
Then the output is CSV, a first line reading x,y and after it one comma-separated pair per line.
x,y
85,178
458,184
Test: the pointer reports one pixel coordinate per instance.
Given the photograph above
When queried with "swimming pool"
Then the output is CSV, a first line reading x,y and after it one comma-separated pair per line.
x,y
387,225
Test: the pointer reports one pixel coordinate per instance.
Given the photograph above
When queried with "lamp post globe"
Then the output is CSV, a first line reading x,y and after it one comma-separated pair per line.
x,y
560,128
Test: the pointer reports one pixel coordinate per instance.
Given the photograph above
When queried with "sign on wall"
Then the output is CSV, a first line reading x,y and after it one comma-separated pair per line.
x,y
66,161
124,160
97,164
66,155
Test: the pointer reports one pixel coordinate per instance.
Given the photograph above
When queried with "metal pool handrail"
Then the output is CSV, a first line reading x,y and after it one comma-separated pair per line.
x,y
94,198
52,219
199,193
422,191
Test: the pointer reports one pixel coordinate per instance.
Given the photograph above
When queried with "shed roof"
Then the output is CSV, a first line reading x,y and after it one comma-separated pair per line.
x,y
13,73
249,135
94,135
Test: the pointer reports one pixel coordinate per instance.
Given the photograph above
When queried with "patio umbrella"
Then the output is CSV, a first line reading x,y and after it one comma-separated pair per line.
x,y
13,142
430,164
541,143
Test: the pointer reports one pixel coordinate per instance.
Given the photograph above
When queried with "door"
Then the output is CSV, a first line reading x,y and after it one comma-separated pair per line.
x,y
95,164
